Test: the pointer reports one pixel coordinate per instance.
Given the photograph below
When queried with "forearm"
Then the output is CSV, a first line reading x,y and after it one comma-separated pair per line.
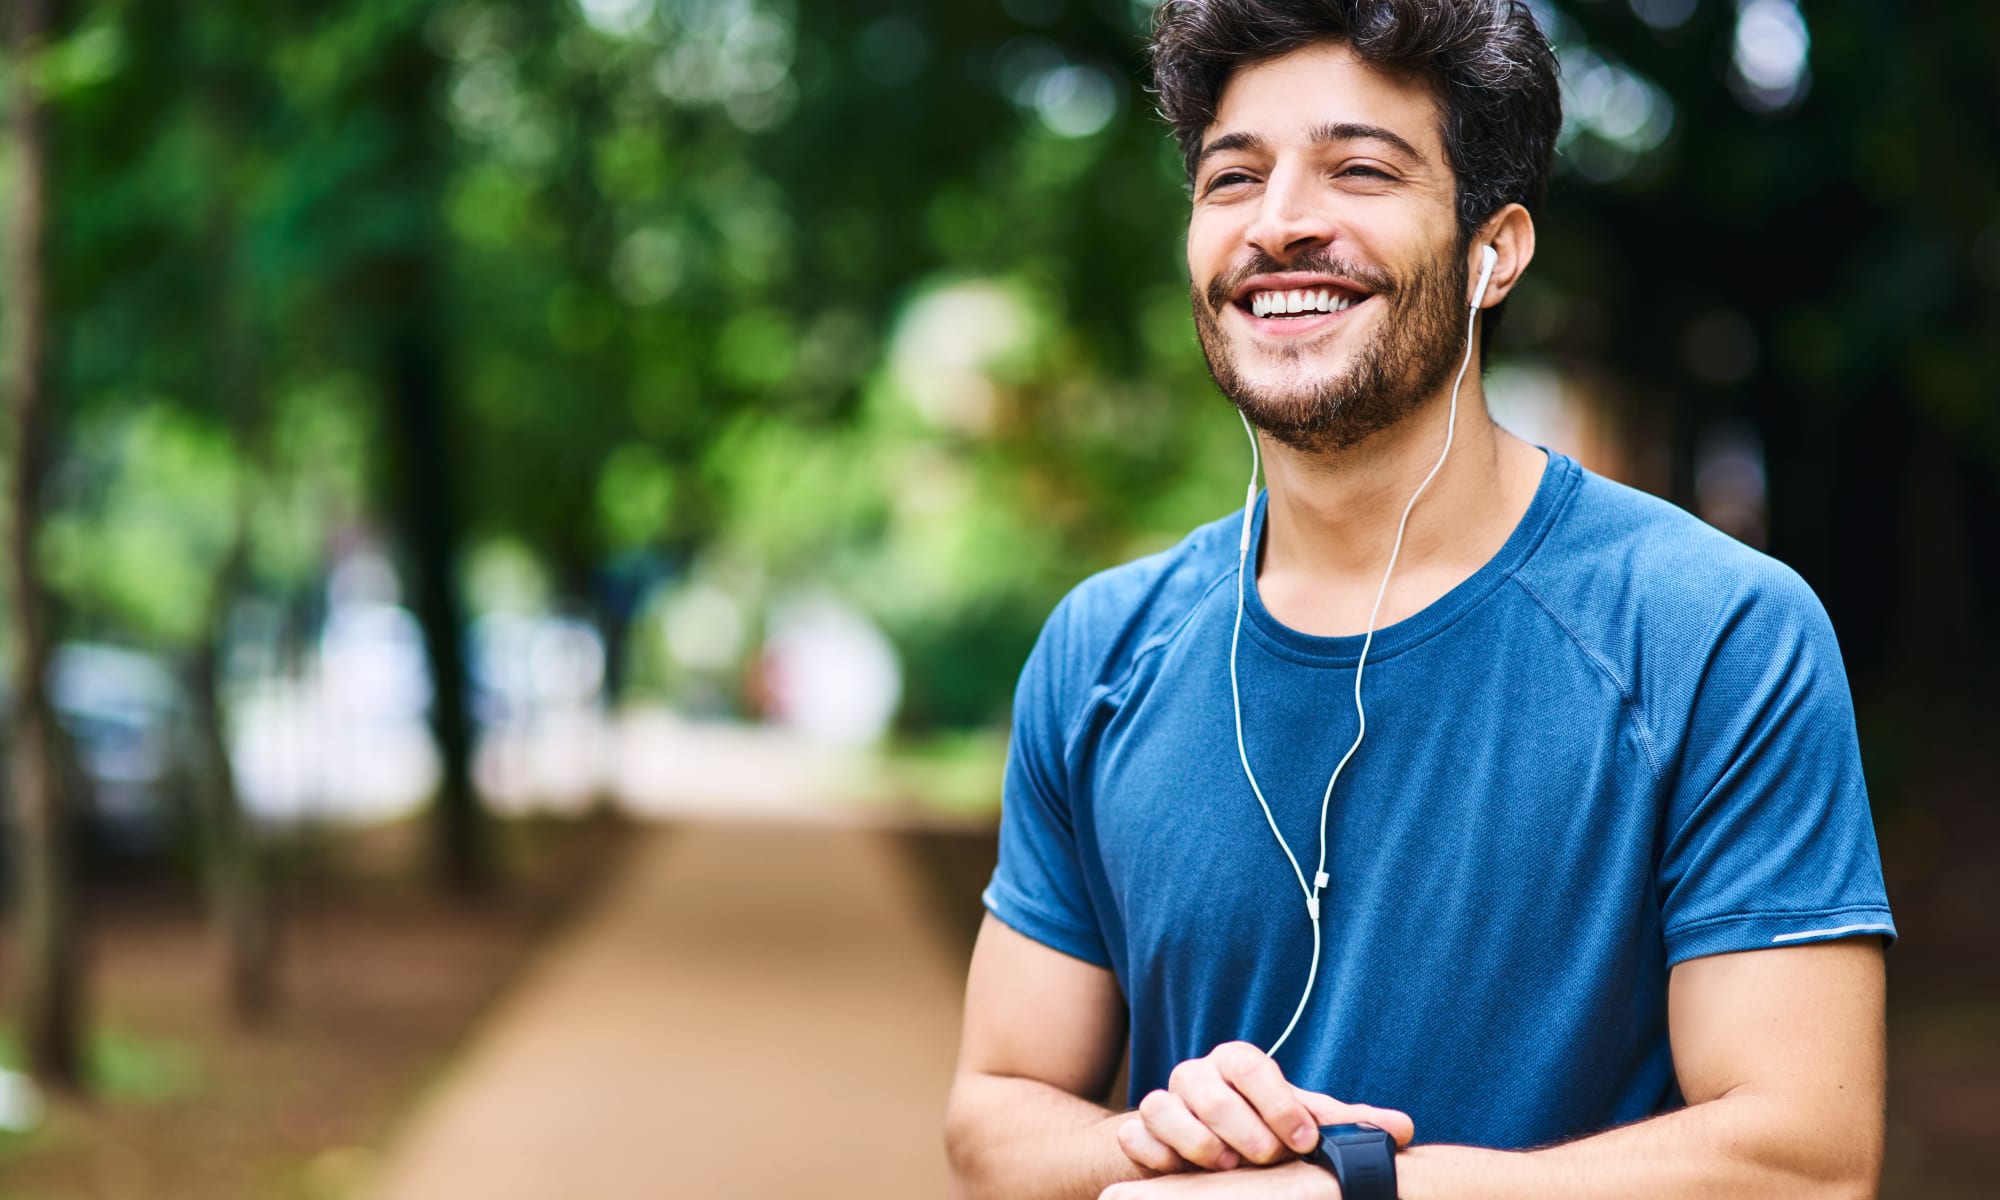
x,y
1740,1145
1010,1138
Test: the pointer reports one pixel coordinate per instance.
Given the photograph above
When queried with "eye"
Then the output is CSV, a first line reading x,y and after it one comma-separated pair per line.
x,y
1366,172
1225,179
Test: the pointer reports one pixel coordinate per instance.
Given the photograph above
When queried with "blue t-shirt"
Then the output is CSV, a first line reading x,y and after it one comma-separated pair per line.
x,y
1624,742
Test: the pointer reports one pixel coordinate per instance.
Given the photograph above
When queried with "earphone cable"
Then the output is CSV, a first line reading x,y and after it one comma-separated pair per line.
x,y
1361,714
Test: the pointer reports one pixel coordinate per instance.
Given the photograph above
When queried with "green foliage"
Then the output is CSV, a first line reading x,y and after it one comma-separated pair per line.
x,y
891,299
125,559
128,1068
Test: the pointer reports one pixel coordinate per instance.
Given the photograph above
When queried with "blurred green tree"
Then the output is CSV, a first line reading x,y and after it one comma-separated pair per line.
x,y
889,299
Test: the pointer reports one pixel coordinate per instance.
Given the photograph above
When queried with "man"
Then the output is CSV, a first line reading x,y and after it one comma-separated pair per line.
x,y
1593,906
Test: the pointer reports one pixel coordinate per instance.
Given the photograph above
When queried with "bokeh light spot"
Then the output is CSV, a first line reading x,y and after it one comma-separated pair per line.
x,y
1076,101
621,18
1663,14
1768,71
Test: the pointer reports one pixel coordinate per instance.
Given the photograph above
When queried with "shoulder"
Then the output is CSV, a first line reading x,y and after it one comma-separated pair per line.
x,y
1617,554
1113,620
1658,596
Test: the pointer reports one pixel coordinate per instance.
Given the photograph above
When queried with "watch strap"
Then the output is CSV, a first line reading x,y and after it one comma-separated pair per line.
x,y
1361,1157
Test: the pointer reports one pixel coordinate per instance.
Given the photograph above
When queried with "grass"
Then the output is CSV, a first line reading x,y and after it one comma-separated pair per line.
x,y
126,1068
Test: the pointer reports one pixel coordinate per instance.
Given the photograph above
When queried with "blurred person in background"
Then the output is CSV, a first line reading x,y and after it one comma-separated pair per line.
x,y
1517,807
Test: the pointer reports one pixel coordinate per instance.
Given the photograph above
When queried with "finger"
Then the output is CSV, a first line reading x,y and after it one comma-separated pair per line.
x,y
1147,1151
1167,1118
1328,1111
1219,1106
1257,1077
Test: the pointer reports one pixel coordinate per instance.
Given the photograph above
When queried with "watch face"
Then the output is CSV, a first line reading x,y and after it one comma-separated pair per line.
x,y
1361,1157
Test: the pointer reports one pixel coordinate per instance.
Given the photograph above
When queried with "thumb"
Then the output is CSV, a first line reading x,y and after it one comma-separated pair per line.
x,y
1328,1111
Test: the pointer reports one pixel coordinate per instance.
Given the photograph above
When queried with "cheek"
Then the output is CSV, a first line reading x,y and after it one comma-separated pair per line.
x,y
1380,238
1210,239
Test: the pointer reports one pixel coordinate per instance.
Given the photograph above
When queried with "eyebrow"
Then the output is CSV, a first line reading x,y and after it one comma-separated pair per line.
x,y
1320,135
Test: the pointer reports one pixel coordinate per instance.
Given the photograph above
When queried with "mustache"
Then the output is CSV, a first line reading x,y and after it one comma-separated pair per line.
x,y
1321,261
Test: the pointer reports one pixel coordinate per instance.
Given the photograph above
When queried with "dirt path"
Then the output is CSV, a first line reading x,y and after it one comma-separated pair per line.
x,y
752,1011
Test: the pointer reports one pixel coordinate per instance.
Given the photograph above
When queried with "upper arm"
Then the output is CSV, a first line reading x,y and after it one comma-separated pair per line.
x,y
1036,1013
1767,839
1800,1024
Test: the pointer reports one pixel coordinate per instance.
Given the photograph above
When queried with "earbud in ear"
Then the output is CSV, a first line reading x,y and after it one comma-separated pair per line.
x,y
1487,257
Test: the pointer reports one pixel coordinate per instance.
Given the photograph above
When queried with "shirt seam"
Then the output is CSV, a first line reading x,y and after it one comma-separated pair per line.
x,y
1627,699
1159,642
1710,644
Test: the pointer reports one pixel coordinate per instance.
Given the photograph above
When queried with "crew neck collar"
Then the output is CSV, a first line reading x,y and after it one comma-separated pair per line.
x,y
1559,477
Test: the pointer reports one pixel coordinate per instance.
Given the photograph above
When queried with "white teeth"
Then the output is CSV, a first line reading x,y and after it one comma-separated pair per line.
x,y
1326,300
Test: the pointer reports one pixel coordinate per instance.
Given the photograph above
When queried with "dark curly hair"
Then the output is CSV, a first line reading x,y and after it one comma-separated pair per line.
x,y
1488,62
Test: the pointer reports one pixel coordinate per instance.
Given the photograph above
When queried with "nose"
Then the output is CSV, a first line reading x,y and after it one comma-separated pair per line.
x,y
1288,220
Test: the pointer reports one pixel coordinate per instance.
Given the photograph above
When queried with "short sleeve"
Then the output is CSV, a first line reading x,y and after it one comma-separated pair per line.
x,y
1768,837
1038,887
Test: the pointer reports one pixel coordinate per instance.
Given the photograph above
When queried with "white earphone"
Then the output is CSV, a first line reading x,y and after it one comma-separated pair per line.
x,y
1488,258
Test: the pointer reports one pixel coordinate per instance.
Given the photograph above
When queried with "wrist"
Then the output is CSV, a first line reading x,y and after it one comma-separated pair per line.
x,y
1439,1172
1415,1178
1303,1181
1323,1186
1119,1167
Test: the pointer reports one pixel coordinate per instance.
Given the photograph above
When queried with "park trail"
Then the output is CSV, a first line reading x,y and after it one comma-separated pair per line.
x,y
745,1011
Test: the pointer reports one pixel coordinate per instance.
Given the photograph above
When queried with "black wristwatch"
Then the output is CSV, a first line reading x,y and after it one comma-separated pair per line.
x,y
1361,1157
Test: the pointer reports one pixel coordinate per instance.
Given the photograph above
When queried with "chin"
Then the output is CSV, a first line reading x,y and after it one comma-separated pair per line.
x,y
1294,385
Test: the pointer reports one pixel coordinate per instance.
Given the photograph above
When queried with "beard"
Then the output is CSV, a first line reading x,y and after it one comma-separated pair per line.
x,y
1415,346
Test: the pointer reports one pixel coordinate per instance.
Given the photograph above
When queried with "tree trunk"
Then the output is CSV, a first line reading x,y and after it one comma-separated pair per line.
x,y
241,917
415,393
46,909
240,913
413,363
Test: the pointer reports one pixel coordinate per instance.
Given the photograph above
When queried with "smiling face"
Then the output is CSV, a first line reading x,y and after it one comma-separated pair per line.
x,y
1329,277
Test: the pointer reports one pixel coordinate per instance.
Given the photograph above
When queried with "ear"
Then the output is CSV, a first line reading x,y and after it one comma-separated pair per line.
x,y
1511,233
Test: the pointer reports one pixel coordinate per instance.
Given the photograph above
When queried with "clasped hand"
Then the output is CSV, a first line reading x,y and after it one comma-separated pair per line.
x,y
1234,1107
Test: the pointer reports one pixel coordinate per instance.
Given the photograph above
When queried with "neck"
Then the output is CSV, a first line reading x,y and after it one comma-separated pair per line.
x,y
1336,511
1331,518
